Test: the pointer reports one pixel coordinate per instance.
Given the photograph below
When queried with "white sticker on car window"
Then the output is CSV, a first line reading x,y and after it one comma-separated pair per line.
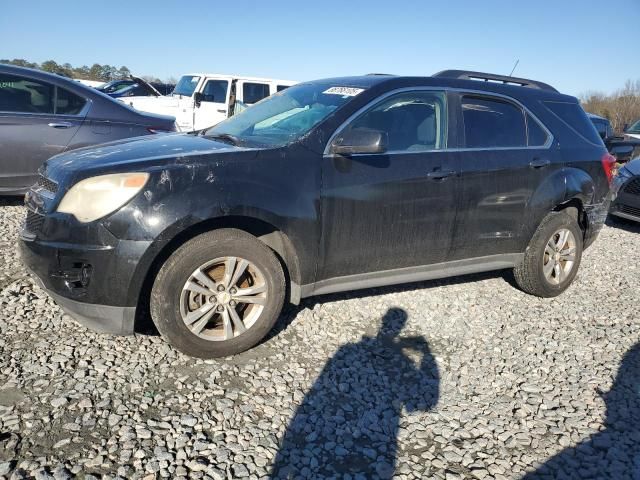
x,y
344,91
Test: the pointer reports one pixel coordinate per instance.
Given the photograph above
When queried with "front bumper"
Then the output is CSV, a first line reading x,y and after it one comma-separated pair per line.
x,y
627,199
99,318
90,274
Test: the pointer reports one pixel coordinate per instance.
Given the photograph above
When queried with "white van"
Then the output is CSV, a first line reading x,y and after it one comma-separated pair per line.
x,y
201,100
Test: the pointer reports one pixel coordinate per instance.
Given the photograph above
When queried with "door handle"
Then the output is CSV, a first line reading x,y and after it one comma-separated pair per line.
x,y
222,110
539,163
440,174
61,125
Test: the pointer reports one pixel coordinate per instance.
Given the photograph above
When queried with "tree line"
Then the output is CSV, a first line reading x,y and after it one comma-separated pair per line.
x,y
621,107
101,73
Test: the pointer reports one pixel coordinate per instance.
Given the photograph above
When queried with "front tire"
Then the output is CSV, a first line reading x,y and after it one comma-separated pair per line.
x,y
219,294
552,258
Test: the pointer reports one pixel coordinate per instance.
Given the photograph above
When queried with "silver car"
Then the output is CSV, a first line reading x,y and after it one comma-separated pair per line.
x,y
42,114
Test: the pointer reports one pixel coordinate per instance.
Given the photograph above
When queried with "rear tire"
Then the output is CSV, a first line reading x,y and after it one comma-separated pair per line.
x,y
219,294
552,258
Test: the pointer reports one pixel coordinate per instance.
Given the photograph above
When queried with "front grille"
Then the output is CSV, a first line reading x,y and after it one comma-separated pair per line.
x,y
33,222
633,187
47,184
629,210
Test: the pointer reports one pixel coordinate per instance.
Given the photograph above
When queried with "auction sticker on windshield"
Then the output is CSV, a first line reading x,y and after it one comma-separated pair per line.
x,y
344,91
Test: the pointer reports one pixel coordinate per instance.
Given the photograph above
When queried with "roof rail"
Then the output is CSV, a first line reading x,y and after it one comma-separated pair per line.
x,y
490,77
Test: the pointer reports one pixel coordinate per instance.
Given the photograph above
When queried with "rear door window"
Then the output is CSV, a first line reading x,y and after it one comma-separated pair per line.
x,y
254,92
280,88
491,123
68,103
575,117
19,94
215,91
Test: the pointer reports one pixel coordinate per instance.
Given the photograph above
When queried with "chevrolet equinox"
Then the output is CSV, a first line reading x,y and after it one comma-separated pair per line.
x,y
327,186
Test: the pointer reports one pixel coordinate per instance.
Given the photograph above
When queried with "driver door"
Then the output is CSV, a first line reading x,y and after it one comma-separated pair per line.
x,y
396,209
213,105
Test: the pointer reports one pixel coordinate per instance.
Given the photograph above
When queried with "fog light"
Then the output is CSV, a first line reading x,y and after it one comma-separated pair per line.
x,y
85,275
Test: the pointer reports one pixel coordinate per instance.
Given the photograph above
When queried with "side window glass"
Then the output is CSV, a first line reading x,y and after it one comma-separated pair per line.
x,y
215,91
490,123
537,137
413,121
254,92
19,94
280,88
68,103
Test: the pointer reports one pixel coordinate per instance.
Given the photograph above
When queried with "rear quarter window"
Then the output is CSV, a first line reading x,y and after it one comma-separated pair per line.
x,y
254,92
575,117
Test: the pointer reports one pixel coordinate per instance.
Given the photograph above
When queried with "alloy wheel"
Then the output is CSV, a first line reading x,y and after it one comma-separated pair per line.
x,y
559,256
223,298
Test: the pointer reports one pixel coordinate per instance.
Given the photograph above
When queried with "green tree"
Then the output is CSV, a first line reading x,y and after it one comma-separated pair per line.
x,y
95,72
123,72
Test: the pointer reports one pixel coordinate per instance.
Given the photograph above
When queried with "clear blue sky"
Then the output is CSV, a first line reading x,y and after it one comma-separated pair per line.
x,y
576,45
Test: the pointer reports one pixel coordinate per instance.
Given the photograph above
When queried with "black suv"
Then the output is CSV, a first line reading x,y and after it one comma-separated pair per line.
x,y
327,186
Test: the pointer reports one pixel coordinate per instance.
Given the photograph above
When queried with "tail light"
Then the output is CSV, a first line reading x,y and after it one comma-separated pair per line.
x,y
609,165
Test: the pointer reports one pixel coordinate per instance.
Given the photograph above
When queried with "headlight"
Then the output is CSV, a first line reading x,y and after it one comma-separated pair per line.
x,y
96,197
621,177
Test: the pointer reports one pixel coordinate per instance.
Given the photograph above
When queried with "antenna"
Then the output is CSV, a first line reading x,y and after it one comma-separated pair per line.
x,y
514,67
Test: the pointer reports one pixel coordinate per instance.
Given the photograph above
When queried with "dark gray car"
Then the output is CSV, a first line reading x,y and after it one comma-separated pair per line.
x,y
43,114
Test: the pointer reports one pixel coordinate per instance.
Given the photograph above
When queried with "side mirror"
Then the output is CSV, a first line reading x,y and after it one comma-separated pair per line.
x,y
626,127
197,98
360,140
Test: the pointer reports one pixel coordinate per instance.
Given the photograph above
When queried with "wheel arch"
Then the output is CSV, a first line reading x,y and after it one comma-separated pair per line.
x,y
277,240
568,188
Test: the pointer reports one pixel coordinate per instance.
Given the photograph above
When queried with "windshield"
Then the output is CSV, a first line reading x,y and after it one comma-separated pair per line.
x,y
116,86
186,85
285,116
634,128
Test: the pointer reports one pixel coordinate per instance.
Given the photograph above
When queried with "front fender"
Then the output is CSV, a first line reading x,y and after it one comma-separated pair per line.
x,y
183,202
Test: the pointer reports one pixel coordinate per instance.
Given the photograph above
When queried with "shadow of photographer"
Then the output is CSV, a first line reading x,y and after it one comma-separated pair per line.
x,y
347,424
614,452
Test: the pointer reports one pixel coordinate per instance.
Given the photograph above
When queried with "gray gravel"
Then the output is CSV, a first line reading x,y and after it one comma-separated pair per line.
x,y
462,378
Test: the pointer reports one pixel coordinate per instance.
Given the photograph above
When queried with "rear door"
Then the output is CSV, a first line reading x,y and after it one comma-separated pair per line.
x,y
504,156
37,121
214,103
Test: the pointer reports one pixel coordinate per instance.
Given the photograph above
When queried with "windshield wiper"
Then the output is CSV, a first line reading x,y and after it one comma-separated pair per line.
x,y
232,139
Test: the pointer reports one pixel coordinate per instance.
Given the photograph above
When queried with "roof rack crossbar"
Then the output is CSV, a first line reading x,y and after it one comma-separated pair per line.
x,y
491,77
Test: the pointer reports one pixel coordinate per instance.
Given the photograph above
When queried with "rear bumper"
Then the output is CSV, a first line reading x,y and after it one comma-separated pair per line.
x,y
596,217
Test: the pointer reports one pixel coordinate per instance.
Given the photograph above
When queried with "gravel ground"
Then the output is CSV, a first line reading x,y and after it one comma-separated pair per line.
x,y
461,378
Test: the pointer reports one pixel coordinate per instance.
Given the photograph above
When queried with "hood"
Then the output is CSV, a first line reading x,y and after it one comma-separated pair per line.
x,y
634,166
162,104
148,85
134,153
